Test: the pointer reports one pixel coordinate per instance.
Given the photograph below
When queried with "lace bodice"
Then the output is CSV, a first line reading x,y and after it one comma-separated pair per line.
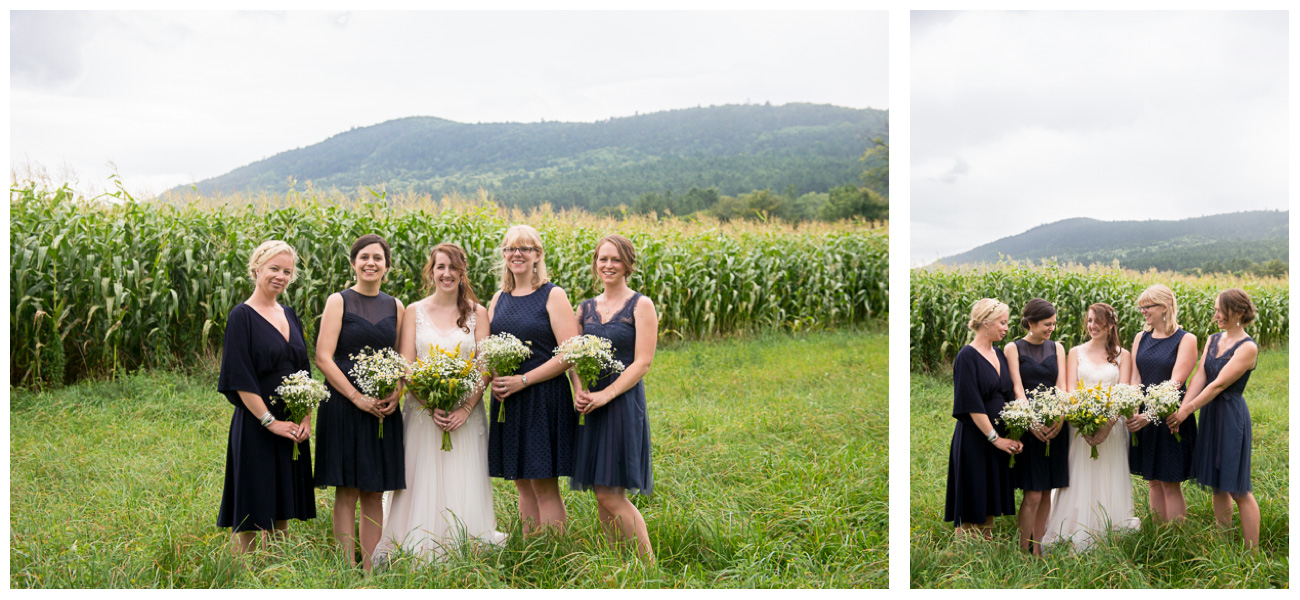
x,y
427,335
1090,374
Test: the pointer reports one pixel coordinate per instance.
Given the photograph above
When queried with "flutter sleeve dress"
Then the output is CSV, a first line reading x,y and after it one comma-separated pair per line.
x,y
979,476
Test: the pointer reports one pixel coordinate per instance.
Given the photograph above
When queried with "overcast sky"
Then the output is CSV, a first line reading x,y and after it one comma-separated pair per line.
x,y
1025,118
172,98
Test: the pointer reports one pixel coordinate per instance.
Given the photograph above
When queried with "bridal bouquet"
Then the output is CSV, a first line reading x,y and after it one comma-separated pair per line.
x,y
1126,400
301,394
590,355
1019,416
441,380
1089,411
502,353
1163,400
1051,405
378,373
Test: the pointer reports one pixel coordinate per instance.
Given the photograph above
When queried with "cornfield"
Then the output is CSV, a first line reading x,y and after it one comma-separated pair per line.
x,y
98,287
942,299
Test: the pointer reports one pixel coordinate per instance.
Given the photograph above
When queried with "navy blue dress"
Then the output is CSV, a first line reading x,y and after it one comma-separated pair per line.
x,y
1158,455
979,478
536,441
263,483
1221,458
349,451
613,446
1034,471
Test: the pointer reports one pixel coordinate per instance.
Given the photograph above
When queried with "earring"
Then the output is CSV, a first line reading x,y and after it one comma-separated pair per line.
x,y
1164,319
1238,323
534,268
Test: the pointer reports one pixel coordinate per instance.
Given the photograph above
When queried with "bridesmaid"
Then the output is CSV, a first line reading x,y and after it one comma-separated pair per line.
x,y
534,446
1036,361
264,487
350,455
979,479
1221,457
613,447
1162,351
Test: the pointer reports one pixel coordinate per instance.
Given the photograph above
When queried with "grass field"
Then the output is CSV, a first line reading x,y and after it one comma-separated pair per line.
x,y
1193,555
770,459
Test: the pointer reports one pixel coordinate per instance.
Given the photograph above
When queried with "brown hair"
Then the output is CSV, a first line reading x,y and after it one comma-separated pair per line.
x,y
1036,310
465,298
1106,319
1235,300
626,254
367,240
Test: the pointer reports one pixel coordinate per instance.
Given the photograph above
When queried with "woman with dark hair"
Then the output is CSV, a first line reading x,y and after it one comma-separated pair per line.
x,y
1162,351
1100,495
1221,457
448,497
350,454
1036,361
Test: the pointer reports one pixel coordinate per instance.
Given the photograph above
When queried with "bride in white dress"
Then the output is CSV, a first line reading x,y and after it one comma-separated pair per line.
x,y
1100,495
448,497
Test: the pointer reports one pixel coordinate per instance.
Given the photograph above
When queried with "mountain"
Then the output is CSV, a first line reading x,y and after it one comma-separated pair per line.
x,y
1216,240
734,149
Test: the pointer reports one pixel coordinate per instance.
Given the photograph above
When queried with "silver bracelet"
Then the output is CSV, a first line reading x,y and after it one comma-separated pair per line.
x,y
266,419
992,436
524,378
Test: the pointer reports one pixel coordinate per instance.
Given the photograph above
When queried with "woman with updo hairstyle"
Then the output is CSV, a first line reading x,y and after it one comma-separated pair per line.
x,y
979,479
352,455
264,487
1162,351
1221,457
1037,362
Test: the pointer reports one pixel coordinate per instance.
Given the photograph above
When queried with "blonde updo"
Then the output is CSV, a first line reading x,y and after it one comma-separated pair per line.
x,y
1161,295
264,253
985,310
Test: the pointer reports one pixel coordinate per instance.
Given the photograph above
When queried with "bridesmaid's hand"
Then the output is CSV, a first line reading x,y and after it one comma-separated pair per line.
x,y
1135,423
596,400
1176,420
1056,429
367,405
1008,445
287,429
1040,432
389,404
304,429
506,385
581,399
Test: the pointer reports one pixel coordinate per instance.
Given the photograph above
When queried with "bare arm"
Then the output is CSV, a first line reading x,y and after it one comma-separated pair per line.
x,y
451,421
647,338
389,404
331,321
1072,370
564,325
985,426
1186,360
1013,363
406,344
1243,360
288,429
1135,378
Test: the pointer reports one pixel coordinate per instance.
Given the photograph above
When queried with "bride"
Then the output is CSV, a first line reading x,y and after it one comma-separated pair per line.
x,y
448,497
1100,495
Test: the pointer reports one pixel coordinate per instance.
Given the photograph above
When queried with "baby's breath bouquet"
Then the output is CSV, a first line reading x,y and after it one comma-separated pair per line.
x,y
378,372
441,380
1162,400
590,356
502,353
1018,416
1090,410
1051,404
301,394
1126,400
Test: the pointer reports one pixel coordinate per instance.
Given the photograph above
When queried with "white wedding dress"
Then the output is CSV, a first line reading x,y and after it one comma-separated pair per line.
x,y
1100,495
448,497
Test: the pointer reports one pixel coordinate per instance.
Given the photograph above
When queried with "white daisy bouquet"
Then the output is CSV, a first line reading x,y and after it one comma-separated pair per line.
x,y
1090,410
301,394
1126,400
502,354
590,356
442,380
1052,404
1018,416
378,373
1162,400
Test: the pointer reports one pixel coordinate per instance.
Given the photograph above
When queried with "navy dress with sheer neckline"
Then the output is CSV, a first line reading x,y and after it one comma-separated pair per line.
x,y
1158,455
1221,457
613,445
1034,470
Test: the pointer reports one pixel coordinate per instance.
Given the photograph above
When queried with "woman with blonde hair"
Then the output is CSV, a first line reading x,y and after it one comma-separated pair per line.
x,y
979,478
1162,351
534,445
264,486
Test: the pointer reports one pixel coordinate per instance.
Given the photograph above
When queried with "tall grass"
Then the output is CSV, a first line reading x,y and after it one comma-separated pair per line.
x,y
942,299
100,286
769,461
1196,554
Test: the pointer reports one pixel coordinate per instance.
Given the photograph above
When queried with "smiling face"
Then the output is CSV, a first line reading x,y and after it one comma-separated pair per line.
x,y
997,325
445,276
1154,316
1095,327
275,274
370,264
519,257
1222,317
1043,329
609,266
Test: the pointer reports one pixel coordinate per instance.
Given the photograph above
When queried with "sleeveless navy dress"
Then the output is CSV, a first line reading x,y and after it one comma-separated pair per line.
x,y
1221,458
536,441
263,483
349,451
979,478
613,446
1033,470
1159,456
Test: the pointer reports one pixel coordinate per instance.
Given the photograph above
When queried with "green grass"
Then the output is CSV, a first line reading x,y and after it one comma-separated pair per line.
x,y
1195,554
769,457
